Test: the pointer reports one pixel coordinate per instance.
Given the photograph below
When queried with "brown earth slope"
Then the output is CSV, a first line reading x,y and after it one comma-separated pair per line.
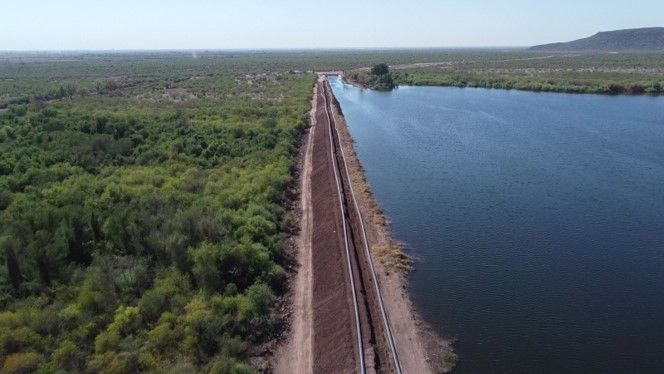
x,y
338,324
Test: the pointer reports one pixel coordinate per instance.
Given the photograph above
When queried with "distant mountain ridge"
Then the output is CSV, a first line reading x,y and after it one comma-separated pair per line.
x,y
643,39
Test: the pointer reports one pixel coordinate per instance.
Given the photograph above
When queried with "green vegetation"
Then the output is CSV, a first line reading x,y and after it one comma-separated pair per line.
x,y
450,359
380,70
630,74
570,82
378,78
143,215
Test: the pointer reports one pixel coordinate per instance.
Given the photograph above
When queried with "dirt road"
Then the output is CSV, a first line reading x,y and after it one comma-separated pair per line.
x,y
341,322
296,356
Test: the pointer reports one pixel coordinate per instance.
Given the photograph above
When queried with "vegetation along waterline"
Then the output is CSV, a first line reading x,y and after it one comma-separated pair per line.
x,y
599,73
379,78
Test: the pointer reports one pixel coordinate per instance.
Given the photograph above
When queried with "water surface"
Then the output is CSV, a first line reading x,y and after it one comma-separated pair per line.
x,y
538,219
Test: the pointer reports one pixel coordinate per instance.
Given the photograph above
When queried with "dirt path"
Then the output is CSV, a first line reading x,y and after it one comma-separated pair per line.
x,y
336,347
296,356
324,336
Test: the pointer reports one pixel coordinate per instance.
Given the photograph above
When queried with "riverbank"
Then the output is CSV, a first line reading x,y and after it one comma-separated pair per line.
x,y
420,350
563,73
506,83
571,84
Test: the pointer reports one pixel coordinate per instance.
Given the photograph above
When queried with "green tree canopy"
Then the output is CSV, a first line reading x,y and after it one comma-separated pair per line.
x,y
380,69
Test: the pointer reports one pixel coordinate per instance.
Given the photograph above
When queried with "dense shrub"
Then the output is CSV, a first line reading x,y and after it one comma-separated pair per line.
x,y
139,233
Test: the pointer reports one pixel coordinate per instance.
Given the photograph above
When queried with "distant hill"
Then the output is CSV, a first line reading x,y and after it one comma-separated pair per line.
x,y
644,39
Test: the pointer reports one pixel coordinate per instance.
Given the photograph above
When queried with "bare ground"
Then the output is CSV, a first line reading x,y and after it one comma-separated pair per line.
x,y
420,351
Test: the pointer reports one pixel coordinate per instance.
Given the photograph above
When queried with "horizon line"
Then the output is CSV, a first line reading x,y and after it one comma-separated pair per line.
x,y
255,49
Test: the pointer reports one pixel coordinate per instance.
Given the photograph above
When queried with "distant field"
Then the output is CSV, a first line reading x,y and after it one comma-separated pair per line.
x,y
26,75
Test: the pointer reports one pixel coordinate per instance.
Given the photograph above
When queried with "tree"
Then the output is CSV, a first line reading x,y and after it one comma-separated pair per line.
x,y
380,69
8,246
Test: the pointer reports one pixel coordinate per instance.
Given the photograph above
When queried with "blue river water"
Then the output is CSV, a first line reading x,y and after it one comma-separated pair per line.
x,y
537,220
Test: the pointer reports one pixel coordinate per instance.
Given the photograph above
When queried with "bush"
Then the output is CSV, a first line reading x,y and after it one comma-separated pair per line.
x,y
19,339
24,362
68,357
636,90
226,365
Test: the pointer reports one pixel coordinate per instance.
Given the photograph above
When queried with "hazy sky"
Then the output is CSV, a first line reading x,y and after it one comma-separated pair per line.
x,y
207,24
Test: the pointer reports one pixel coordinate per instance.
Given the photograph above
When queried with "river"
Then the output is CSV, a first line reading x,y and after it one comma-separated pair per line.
x,y
537,220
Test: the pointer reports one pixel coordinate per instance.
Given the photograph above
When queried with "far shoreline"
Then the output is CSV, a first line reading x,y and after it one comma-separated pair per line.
x,y
443,74
570,92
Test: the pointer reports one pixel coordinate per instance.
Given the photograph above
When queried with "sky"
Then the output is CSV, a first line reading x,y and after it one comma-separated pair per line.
x,y
263,24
